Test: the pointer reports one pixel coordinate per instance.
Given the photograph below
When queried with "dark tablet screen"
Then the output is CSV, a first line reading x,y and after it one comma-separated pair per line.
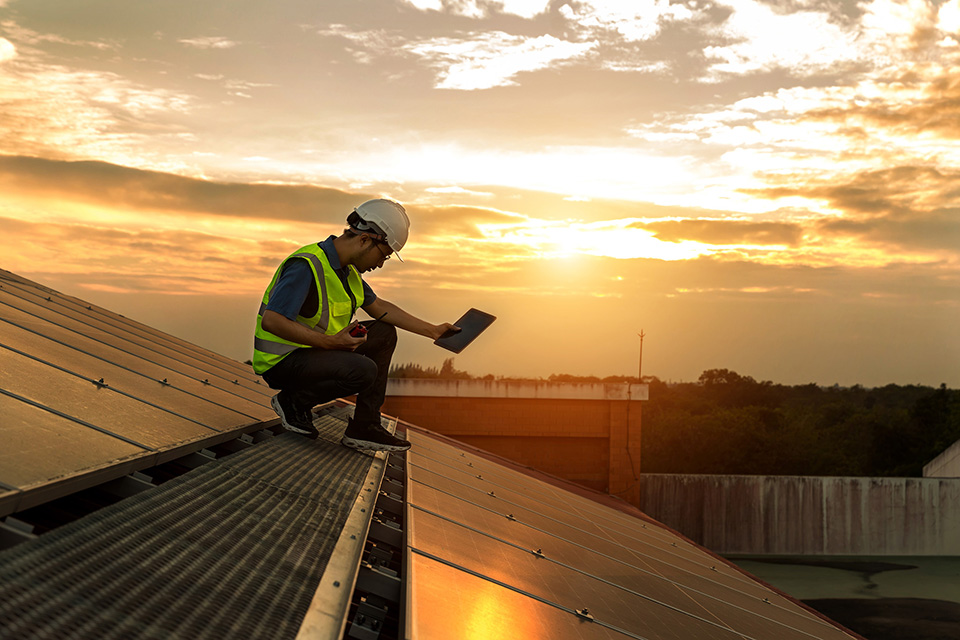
x,y
471,324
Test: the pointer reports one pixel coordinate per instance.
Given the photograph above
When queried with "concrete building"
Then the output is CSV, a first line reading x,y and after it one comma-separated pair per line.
x,y
946,465
586,433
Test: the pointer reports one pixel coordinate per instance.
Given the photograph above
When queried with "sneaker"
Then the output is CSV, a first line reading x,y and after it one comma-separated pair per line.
x,y
293,418
372,437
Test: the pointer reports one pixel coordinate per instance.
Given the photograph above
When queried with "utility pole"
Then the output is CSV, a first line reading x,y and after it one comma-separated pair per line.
x,y
640,365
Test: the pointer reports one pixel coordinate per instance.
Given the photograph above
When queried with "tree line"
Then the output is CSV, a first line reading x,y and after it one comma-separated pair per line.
x,y
732,424
727,423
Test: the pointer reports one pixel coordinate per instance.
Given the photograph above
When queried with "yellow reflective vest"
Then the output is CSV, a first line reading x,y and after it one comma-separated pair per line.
x,y
335,310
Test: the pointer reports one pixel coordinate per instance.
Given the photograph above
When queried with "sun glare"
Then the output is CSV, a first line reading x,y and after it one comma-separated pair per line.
x,y
613,240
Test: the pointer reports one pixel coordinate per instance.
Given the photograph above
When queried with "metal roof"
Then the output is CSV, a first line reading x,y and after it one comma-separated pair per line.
x,y
291,537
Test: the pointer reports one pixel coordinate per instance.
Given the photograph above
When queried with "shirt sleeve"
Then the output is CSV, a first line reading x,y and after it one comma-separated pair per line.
x,y
368,294
291,289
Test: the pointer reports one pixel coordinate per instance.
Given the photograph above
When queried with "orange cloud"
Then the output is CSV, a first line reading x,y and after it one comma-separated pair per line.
x,y
726,232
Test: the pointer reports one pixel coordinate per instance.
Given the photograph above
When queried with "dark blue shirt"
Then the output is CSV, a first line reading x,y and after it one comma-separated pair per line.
x,y
295,293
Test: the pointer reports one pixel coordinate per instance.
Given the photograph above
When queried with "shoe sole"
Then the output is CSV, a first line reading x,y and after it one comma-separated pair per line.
x,y
286,425
367,445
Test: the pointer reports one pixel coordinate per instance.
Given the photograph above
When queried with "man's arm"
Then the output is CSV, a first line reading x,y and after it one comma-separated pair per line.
x,y
400,318
283,327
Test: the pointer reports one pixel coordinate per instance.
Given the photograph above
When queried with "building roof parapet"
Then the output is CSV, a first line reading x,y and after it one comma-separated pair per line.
x,y
431,387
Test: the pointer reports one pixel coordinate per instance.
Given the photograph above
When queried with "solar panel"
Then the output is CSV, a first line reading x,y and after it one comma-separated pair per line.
x,y
89,395
115,323
484,532
40,445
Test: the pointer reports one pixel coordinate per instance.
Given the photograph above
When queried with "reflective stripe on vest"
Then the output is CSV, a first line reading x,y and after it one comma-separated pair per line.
x,y
336,306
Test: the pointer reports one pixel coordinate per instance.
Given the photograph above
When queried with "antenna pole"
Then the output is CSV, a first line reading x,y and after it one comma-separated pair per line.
x,y
640,365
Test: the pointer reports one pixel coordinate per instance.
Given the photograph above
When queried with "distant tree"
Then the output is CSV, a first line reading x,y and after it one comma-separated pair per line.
x,y
449,372
731,423
712,377
412,370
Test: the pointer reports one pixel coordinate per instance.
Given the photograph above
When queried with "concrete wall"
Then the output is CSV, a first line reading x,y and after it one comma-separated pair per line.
x,y
427,387
946,465
586,433
793,515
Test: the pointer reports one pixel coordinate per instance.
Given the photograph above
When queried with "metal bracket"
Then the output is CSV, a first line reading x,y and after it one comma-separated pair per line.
x,y
197,458
386,531
368,621
373,580
129,485
390,503
13,532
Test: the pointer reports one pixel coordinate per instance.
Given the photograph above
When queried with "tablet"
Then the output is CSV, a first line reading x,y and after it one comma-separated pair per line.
x,y
471,325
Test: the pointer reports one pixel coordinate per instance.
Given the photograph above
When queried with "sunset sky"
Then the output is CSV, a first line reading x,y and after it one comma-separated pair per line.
x,y
769,187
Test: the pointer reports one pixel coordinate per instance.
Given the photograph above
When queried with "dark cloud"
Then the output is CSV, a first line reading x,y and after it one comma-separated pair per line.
x,y
909,206
903,189
938,230
936,112
117,186
725,232
179,261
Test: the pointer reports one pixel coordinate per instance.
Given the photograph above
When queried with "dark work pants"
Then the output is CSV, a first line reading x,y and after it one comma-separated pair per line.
x,y
315,376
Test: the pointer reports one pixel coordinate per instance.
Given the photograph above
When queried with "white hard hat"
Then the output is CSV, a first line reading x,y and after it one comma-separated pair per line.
x,y
387,216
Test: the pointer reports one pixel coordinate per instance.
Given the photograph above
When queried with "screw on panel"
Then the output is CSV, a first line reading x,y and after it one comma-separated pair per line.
x,y
510,517
236,382
101,384
492,494
164,382
585,614
205,381
539,553
479,477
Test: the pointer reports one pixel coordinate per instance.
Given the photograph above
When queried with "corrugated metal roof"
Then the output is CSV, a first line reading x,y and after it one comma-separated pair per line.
x,y
233,549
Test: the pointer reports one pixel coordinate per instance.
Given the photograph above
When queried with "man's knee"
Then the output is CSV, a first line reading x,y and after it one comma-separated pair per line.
x,y
387,334
365,373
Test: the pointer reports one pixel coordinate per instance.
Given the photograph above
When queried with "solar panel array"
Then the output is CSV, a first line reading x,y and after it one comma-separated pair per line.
x,y
87,395
493,553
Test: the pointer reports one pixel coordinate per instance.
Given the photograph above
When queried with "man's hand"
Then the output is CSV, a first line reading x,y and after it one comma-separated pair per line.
x,y
343,341
440,329
293,331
